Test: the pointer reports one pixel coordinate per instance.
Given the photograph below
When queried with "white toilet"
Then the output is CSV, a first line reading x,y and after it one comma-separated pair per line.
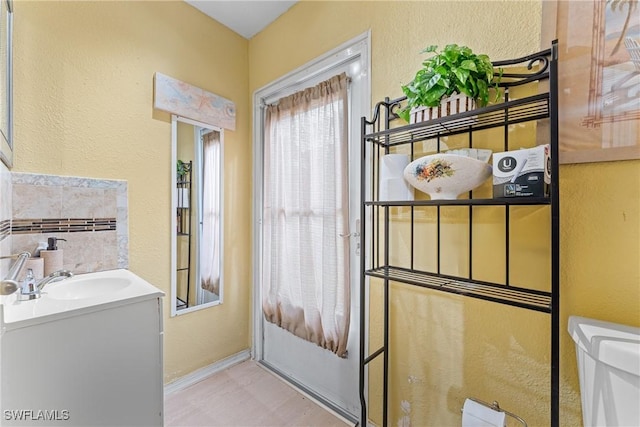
x,y
609,368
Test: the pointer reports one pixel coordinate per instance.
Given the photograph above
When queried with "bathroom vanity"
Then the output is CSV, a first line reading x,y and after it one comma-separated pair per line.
x,y
88,352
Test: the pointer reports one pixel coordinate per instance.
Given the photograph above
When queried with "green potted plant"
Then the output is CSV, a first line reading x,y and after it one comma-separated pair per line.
x,y
455,69
182,169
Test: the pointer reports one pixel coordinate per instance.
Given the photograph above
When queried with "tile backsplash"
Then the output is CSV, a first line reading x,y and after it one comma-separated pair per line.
x,y
90,214
5,218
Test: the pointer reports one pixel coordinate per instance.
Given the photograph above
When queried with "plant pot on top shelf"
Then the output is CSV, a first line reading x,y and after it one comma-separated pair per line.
x,y
448,106
451,81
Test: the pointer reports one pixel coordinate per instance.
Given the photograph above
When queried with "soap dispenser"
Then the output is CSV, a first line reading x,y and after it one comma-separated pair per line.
x,y
52,256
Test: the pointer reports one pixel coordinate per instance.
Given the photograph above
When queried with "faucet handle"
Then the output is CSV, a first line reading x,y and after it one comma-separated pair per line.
x,y
28,290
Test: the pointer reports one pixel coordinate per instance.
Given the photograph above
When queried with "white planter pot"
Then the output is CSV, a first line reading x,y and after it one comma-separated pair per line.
x,y
448,106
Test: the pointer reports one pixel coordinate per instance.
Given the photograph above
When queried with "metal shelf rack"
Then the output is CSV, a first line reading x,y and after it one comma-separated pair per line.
x,y
184,219
382,133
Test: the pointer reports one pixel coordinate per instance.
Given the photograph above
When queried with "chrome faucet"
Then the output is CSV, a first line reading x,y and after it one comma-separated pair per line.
x,y
10,283
34,290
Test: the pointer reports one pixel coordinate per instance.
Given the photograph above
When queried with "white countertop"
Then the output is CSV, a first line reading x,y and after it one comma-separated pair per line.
x,y
57,300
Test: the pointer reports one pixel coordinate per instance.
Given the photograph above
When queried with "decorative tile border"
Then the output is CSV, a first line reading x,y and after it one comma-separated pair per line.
x,y
5,229
5,207
62,225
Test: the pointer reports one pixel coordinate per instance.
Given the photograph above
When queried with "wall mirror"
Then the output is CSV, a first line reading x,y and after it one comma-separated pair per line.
x,y
196,215
6,82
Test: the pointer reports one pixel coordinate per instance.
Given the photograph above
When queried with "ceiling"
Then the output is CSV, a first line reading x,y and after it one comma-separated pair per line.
x,y
246,18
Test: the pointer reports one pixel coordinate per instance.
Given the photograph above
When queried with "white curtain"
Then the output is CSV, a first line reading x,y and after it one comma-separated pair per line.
x,y
211,187
306,218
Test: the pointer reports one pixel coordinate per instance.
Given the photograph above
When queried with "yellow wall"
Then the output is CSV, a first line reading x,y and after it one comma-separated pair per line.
x,y
84,107
455,347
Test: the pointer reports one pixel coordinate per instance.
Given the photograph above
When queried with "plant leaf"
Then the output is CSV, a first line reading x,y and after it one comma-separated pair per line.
x,y
404,114
451,54
433,97
436,80
462,74
466,51
466,91
428,49
483,93
468,64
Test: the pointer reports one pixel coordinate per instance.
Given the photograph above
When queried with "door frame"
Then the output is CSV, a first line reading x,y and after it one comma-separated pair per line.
x,y
358,47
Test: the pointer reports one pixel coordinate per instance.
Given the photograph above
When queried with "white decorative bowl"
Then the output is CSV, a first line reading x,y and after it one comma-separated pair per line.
x,y
446,176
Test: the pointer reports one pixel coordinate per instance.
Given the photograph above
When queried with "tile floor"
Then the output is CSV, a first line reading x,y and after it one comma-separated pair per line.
x,y
245,395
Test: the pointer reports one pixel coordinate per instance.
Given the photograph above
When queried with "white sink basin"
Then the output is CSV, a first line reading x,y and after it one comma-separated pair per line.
x,y
82,288
74,296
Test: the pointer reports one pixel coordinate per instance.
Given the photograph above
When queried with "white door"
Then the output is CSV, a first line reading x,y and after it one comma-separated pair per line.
x,y
317,371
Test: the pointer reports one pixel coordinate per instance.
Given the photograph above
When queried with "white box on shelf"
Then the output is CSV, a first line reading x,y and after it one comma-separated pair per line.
x,y
393,186
522,173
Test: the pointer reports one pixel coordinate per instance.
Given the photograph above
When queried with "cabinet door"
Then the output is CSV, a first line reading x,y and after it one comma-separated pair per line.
x,y
100,368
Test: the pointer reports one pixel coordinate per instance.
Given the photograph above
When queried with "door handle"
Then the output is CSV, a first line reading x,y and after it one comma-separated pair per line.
x,y
355,234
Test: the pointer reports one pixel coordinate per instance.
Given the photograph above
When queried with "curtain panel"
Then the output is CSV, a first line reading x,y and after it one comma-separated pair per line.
x,y
211,204
306,215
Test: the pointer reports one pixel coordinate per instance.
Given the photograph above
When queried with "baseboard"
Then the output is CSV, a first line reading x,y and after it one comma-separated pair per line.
x,y
207,371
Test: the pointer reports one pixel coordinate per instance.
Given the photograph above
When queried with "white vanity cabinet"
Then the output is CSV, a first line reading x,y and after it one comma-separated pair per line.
x,y
97,363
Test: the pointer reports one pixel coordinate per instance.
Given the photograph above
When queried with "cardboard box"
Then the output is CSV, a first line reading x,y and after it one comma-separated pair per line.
x,y
522,173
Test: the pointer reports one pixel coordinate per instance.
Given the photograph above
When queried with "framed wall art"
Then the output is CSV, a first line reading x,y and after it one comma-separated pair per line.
x,y
599,79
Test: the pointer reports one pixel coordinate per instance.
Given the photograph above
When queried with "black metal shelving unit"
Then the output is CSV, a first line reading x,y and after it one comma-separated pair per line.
x,y
383,133
184,219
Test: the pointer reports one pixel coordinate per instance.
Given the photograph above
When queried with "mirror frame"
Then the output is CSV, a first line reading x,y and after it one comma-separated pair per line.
x,y
174,258
6,68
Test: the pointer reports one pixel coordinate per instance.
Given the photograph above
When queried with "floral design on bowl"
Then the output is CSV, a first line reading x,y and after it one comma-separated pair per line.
x,y
445,176
436,168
